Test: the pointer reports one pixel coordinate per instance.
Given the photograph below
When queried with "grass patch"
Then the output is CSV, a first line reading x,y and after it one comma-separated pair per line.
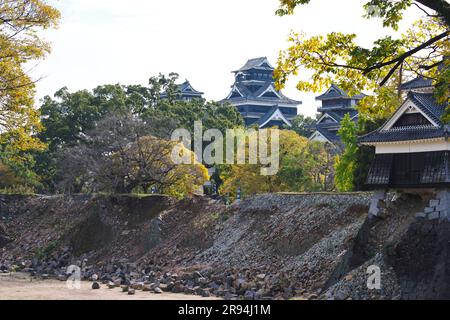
x,y
45,252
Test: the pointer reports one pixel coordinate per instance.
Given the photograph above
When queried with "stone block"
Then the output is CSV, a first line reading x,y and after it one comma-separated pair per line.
x,y
375,203
434,203
442,207
421,215
443,215
433,216
443,195
429,210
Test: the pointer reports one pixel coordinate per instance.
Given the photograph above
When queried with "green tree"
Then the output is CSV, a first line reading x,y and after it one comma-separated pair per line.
x,y
303,126
337,58
303,166
120,155
68,117
390,11
345,164
20,23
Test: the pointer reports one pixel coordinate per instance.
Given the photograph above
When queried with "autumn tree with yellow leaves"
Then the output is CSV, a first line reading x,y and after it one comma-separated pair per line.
x,y
123,154
422,51
20,22
304,166
337,57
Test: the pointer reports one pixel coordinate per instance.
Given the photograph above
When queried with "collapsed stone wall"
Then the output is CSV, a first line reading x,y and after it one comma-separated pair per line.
x,y
268,246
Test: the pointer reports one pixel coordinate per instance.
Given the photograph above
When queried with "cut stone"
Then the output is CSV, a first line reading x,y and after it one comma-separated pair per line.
x,y
433,216
434,203
377,197
429,210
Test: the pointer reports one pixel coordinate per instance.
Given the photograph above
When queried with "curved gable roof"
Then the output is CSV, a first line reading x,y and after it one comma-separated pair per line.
x,y
334,92
428,105
417,83
186,87
256,63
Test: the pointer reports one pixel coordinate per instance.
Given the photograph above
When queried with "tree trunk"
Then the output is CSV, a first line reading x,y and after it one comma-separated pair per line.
x,y
442,7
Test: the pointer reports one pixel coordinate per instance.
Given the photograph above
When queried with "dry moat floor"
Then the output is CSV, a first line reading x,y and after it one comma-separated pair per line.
x,y
20,287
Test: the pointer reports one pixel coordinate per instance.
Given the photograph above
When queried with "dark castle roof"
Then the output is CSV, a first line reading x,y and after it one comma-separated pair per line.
x,y
248,95
406,134
428,105
336,104
269,115
334,92
330,135
261,63
339,115
422,82
186,87
184,91
330,130
255,94
417,83
257,87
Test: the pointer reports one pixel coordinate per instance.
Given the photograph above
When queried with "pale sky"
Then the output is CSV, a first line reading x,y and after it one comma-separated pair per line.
x,y
116,41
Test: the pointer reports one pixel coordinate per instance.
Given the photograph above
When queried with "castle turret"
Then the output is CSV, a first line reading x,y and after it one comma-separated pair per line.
x,y
255,96
336,103
186,92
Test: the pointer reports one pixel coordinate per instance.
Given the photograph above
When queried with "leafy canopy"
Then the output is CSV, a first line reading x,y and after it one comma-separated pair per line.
x,y
69,118
122,156
345,164
20,22
304,166
337,57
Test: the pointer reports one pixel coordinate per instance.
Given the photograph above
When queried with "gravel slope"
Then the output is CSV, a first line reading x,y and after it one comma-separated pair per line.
x,y
273,246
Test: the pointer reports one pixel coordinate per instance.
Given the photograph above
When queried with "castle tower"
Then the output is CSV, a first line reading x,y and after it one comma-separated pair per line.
x,y
335,105
254,95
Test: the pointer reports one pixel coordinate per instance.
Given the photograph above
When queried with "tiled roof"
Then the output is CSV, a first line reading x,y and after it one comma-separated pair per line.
x,y
257,63
328,126
417,84
250,95
186,87
430,107
405,134
338,115
427,103
334,92
185,90
330,135
268,115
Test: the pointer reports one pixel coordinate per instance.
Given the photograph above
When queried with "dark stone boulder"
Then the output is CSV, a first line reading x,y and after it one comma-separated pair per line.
x,y
4,238
95,286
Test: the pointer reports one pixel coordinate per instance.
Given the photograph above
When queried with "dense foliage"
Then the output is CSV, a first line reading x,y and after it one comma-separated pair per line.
x,y
337,58
346,163
20,23
302,125
69,118
304,166
121,155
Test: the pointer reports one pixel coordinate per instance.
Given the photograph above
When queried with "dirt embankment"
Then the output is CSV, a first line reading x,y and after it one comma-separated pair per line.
x,y
268,246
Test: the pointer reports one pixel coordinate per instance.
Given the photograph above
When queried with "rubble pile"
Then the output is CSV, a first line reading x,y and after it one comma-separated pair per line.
x,y
273,246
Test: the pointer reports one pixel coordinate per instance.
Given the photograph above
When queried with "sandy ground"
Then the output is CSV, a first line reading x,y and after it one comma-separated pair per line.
x,y
19,287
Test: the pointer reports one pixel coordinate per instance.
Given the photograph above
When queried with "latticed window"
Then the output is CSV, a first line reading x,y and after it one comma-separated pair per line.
x,y
436,167
410,169
380,172
411,119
